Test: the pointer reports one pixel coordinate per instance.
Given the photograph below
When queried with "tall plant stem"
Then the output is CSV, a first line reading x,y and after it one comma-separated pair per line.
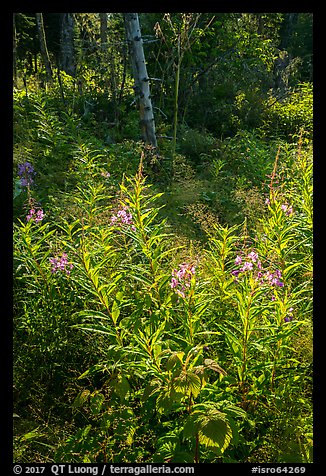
x,y
40,270
143,233
245,345
43,46
197,449
96,287
276,356
271,185
190,321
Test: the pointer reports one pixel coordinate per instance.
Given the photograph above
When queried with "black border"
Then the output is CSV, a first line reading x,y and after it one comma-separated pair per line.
x,y
6,218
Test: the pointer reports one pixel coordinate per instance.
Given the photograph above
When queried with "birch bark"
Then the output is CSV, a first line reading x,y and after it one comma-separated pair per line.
x,y
142,90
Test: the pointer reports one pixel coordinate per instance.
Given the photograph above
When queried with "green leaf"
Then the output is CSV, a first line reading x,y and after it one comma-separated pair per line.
x,y
95,328
121,386
187,382
90,314
96,402
18,190
164,401
31,435
233,343
234,411
212,426
115,312
286,272
175,357
82,396
215,433
153,387
119,296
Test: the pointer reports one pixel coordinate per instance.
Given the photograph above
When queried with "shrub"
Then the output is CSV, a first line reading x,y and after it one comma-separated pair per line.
x,y
285,118
194,143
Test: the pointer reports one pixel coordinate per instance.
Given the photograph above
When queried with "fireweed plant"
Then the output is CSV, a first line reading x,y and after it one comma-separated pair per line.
x,y
23,184
151,317
265,285
189,347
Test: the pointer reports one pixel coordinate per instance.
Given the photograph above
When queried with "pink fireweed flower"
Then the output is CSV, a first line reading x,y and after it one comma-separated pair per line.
x,y
288,210
122,218
173,283
181,292
274,279
247,266
253,256
37,216
254,265
30,214
181,278
61,264
238,260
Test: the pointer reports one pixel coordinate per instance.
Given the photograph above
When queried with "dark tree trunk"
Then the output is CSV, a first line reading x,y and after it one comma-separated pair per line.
x,y
67,50
103,31
289,23
284,59
108,57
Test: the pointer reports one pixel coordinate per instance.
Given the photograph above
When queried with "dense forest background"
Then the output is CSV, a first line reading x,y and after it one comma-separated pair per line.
x,y
163,237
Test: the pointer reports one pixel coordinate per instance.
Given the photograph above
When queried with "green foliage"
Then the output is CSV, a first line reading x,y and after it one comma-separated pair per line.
x,y
146,338
211,426
152,342
287,117
195,143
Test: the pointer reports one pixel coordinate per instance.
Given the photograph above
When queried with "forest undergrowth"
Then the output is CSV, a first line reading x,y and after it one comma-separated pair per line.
x,y
162,306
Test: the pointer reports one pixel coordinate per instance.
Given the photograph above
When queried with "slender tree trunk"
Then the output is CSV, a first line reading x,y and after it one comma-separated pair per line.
x,y
67,50
176,98
43,47
142,90
103,42
121,87
103,31
108,57
289,23
284,59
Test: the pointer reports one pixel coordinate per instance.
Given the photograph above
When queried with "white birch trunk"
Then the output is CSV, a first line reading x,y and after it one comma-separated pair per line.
x,y
142,90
